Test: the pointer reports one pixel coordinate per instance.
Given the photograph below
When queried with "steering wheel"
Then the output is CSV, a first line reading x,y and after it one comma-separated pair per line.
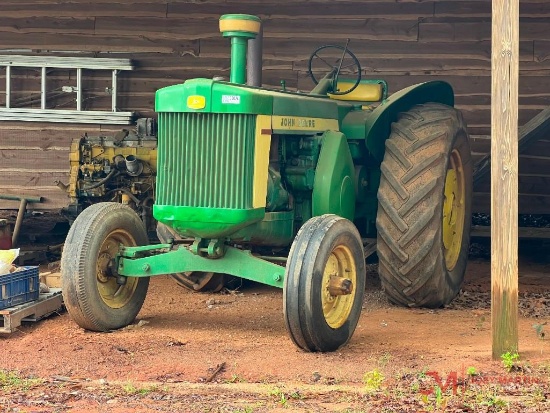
x,y
324,58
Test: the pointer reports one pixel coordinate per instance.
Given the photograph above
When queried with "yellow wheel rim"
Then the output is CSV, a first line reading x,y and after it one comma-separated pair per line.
x,y
112,294
453,210
337,308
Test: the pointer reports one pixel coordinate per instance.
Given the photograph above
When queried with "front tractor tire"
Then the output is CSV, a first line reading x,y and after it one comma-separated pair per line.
x,y
324,284
424,207
91,293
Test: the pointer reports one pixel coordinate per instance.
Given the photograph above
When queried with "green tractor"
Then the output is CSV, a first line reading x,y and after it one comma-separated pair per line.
x,y
291,190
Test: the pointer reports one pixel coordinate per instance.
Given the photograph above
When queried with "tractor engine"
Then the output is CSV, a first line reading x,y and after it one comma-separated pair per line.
x,y
121,168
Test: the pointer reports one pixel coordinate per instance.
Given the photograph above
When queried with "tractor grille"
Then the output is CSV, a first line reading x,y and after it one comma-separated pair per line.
x,y
205,160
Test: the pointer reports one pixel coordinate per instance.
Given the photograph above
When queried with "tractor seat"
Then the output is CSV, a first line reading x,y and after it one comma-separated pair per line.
x,y
367,91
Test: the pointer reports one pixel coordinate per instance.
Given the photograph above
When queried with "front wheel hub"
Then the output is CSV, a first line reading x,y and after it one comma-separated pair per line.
x,y
114,291
339,286
103,267
338,293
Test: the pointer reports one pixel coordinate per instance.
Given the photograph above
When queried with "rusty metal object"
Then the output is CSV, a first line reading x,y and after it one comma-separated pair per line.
x,y
5,235
24,200
340,286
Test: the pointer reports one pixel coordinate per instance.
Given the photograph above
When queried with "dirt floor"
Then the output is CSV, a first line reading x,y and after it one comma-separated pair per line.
x,y
229,352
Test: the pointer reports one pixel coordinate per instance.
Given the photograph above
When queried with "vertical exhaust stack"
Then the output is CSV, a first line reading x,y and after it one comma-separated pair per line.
x,y
240,28
254,63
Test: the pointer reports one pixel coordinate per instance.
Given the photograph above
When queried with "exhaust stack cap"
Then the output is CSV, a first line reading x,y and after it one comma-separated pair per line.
x,y
240,28
240,25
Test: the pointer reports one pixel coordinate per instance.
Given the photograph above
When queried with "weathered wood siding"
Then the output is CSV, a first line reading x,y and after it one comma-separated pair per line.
x,y
404,42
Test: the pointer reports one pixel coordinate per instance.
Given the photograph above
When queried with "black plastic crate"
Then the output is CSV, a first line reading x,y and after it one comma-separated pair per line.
x,y
19,287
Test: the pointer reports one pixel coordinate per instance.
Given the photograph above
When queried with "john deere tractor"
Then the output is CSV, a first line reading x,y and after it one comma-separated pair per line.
x,y
292,190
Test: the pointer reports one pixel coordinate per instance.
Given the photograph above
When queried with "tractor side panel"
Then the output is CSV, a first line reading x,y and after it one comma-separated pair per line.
x,y
334,185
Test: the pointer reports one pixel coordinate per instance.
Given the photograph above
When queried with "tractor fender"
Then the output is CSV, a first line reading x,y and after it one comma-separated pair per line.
x,y
334,182
378,123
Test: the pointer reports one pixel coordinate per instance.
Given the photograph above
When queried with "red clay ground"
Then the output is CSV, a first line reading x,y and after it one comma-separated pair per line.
x,y
168,360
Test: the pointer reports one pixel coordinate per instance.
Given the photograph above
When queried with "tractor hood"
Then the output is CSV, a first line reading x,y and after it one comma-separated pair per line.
x,y
214,141
212,96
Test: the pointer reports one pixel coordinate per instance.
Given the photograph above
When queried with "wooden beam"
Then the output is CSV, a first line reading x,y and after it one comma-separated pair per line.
x,y
535,129
484,231
504,176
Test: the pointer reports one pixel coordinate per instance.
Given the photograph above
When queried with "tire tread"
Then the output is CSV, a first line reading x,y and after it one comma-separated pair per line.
x,y
412,265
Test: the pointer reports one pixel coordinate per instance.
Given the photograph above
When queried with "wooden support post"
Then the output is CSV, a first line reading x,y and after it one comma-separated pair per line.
x,y
504,176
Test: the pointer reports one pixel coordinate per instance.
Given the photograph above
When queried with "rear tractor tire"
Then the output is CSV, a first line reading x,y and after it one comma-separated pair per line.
x,y
91,293
200,281
424,207
324,284
196,281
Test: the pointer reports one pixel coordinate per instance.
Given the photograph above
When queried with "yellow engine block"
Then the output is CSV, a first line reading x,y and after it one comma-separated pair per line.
x,y
121,168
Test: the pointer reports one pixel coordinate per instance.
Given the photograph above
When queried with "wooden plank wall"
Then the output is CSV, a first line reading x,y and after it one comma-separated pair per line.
x,y
404,42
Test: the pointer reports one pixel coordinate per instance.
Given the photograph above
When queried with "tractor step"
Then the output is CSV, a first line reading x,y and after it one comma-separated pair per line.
x,y
48,303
